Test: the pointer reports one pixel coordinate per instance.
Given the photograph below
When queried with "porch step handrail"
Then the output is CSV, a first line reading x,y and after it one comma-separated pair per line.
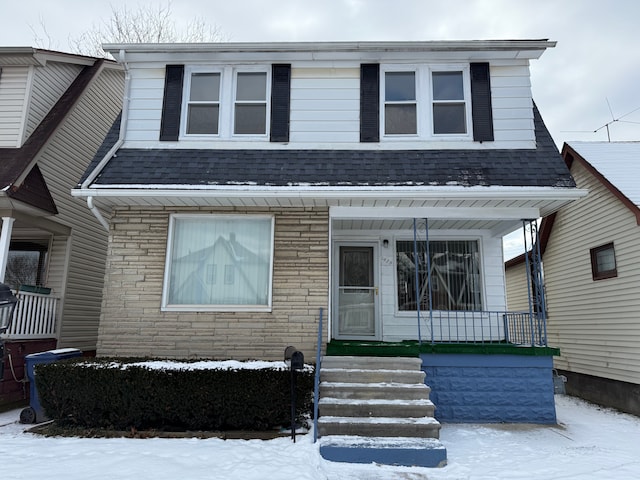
x,y
34,317
316,385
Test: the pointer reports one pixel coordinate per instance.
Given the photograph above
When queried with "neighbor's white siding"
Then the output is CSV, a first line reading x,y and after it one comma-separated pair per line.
x,y
63,163
48,84
517,291
14,83
596,324
325,111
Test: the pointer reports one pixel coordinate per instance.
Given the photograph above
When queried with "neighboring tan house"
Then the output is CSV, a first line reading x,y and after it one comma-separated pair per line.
x,y
369,181
55,109
590,252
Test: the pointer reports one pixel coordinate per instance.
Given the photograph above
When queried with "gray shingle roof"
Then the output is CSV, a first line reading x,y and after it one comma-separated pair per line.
x,y
540,167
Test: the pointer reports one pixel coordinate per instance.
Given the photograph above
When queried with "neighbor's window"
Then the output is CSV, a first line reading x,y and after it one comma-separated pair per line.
x,y
455,275
202,246
251,103
400,105
203,108
449,108
603,262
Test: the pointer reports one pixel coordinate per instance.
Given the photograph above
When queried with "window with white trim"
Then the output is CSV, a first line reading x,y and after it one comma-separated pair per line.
x,y
454,280
425,100
199,246
226,102
250,116
203,107
400,107
449,105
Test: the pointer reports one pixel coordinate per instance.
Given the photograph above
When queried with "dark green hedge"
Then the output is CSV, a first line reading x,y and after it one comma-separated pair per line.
x,y
102,394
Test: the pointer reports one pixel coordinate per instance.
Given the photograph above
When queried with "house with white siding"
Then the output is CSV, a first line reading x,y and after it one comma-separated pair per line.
x,y
55,109
369,184
591,275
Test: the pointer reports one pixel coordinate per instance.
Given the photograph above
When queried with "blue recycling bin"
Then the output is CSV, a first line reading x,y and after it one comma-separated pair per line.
x,y
34,412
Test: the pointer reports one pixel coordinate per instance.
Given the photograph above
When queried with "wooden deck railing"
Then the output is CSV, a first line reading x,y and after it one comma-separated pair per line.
x,y
34,317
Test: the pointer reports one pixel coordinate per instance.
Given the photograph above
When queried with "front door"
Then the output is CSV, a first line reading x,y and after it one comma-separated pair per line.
x,y
357,293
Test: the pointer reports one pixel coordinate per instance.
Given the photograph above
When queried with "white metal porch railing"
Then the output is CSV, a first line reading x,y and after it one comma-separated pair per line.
x,y
34,317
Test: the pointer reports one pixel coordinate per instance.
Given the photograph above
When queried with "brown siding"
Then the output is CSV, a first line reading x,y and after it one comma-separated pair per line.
x,y
132,323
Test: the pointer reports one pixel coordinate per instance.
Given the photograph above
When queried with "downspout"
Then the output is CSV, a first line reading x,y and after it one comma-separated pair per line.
x,y
123,127
97,214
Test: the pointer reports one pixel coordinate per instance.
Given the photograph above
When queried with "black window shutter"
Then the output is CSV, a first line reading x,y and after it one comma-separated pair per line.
x,y
172,103
280,102
369,102
481,102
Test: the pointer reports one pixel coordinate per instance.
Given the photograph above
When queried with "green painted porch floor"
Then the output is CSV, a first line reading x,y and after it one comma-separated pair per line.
x,y
412,348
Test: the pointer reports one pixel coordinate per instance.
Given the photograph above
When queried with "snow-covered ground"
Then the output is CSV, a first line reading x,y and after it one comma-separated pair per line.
x,y
589,443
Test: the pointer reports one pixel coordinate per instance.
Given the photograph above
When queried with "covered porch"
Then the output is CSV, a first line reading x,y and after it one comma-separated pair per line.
x,y
437,278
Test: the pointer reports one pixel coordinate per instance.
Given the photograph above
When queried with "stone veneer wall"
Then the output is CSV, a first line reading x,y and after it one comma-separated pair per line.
x,y
132,323
475,388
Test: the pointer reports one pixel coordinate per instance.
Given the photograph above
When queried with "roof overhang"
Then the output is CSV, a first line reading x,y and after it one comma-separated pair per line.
x,y
25,56
500,209
318,51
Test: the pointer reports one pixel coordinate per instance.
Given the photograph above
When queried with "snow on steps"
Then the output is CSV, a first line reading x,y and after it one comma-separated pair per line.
x,y
377,409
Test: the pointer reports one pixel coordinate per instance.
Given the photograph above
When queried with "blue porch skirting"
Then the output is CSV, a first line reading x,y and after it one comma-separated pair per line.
x,y
477,388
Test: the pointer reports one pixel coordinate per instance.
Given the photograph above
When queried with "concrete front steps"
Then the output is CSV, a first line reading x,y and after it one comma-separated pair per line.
x,y
377,409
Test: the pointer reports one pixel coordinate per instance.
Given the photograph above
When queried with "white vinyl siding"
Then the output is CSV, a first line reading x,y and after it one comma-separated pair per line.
x,y
512,104
325,110
325,105
595,323
13,105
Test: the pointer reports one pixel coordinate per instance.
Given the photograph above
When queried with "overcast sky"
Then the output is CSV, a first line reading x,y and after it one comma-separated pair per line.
x,y
589,79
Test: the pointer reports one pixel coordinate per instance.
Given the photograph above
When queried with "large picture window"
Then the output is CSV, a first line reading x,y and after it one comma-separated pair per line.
x,y
218,262
455,275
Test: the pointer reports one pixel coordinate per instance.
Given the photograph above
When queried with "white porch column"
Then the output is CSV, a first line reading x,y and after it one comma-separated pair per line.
x,y
5,241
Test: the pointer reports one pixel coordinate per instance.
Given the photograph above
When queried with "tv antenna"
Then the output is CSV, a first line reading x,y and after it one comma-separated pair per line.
x,y
613,120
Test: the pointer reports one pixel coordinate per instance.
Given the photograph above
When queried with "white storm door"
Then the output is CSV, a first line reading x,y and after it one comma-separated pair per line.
x,y
357,292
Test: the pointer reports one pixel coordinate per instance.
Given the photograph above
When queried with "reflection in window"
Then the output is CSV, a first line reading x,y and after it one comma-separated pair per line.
x,y
455,275
199,243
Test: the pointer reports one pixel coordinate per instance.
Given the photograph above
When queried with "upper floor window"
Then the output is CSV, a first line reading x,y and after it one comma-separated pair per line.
x,y
203,108
251,103
400,107
449,106
426,101
603,262
226,102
